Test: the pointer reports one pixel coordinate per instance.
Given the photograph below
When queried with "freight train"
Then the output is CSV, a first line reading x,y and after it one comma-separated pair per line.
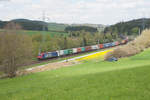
x,y
60,53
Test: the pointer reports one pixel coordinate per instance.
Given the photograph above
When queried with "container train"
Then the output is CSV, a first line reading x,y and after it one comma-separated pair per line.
x,y
60,53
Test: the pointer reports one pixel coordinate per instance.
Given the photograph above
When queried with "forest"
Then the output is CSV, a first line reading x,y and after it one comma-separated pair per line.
x,y
80,28
133,27
27,24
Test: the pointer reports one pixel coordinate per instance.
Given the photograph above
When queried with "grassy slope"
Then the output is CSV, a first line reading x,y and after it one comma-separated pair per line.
x,y
49,32
127,79
30,32
56,27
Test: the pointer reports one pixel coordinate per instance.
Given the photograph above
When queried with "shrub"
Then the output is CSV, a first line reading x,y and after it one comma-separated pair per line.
x,y
134,47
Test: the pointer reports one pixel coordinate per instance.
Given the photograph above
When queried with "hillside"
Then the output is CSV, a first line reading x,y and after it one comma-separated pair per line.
x,y
57,26
61,26
27,24
100,27
37,25
129,28
92,80
81,28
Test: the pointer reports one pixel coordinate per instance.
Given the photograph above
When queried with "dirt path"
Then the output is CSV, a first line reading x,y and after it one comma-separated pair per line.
x,y
50,66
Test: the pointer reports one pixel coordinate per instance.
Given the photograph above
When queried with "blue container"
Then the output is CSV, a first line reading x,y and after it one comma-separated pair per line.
x,y
106,45
114,44
110,44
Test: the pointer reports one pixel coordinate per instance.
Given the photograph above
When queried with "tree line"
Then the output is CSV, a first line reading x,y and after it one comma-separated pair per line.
x,y
80,28
133,27
27,24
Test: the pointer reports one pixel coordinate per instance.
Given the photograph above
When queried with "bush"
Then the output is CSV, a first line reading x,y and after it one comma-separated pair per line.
x,y
134,47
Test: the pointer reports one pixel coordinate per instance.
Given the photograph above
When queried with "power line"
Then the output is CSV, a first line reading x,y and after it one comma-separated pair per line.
x,y
43,30
143,23
43,18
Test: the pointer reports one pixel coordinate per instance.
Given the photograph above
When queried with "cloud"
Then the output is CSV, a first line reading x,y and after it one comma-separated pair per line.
x,y
76,11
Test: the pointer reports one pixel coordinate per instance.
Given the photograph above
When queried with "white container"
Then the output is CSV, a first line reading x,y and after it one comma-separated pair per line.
x,y
95,47
61,52
74,50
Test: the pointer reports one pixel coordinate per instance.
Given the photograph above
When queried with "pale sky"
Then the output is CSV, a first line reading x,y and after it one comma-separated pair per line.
x,y
76,11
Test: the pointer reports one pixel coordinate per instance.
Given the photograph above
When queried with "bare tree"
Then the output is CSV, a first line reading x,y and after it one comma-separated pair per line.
x,y
15,49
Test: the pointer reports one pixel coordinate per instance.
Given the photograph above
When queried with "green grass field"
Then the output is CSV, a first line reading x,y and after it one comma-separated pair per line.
x,y
57,27
127,79
52,33
46,32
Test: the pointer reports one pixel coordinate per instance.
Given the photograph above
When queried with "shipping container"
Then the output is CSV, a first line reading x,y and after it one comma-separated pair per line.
x,y
110,44
116,43
126,40
123,42
70,51
101,46
113,44
79,50
106,45
95,47
66,52
82,49
88,48
61,52
74,50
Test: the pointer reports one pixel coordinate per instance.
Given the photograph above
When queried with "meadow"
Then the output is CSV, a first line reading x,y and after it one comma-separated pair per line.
x,y
52,33
127,79
56,26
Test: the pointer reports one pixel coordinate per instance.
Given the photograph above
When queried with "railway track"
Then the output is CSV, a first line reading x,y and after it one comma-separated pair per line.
x,y
66,56
53,59
66,63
